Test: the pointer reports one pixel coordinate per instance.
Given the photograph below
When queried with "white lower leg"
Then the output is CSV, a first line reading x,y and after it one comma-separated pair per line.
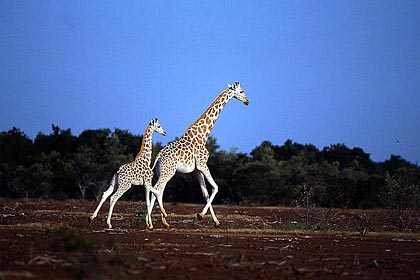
x,y
213,216
162,210
200,177
149,212
209,202
201,173
147,206
114,200
105,195
154,191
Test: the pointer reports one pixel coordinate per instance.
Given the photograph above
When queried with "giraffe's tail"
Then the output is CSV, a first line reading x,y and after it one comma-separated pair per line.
x,y
156,160
114,182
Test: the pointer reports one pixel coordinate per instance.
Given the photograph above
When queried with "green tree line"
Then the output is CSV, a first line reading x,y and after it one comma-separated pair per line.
x,y
61,166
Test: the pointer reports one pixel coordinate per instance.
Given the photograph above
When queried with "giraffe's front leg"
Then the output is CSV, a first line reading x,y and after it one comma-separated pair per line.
x,y
164,222
150,208
206,172
202,183
149,224
165,172
158,193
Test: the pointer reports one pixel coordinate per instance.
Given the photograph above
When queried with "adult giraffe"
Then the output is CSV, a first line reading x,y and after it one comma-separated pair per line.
x,y
189,154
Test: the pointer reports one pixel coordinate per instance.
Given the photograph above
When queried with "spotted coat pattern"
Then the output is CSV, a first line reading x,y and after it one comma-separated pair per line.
x,y
189,153
137,172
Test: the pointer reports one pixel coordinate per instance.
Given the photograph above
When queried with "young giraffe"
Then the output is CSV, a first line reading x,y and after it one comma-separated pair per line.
x,y
189,154
137,172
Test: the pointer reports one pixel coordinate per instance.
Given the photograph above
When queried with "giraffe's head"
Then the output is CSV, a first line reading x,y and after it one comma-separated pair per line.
x,y
238,92
156,127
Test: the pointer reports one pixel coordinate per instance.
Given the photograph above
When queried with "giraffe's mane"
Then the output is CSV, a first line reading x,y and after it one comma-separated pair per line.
x,y
207,110
143,142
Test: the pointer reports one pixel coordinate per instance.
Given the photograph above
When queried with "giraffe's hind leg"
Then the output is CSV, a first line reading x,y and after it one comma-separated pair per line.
x,y
105,195
123,187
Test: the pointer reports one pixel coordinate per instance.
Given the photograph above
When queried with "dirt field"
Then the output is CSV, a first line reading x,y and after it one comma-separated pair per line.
x,y
53,240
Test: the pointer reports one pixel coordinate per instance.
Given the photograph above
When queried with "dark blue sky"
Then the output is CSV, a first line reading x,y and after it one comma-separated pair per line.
x,y
315,72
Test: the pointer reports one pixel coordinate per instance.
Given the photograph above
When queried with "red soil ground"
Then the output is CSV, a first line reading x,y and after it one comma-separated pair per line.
x,y
53,240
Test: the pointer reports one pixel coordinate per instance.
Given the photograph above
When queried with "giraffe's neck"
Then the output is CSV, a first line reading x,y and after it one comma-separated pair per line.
x,y
199,131
145,153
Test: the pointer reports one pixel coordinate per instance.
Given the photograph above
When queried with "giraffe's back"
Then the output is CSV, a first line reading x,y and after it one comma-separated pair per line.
x,y
133,173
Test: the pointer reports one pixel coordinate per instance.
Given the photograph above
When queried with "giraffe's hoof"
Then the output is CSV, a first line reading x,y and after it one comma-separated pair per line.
x,y
217,225
199,217
167,225
90,220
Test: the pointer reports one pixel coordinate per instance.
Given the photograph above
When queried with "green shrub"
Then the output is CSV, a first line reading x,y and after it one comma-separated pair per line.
x,y
68,239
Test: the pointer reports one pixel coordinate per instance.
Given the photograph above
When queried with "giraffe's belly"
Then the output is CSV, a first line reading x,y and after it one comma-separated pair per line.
x,y
138,182
185,168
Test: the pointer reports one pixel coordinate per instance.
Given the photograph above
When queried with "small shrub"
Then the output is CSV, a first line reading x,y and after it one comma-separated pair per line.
x,y
113,244
68,239
363,221
139,217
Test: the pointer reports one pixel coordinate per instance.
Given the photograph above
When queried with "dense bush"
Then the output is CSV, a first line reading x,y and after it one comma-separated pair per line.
x,y
60,166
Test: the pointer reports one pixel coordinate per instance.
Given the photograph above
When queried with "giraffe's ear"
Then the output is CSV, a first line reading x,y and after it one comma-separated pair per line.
x,y
152,121
229,85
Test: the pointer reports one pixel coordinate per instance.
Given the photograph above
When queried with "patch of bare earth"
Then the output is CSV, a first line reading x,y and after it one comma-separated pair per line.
x,y
53,240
